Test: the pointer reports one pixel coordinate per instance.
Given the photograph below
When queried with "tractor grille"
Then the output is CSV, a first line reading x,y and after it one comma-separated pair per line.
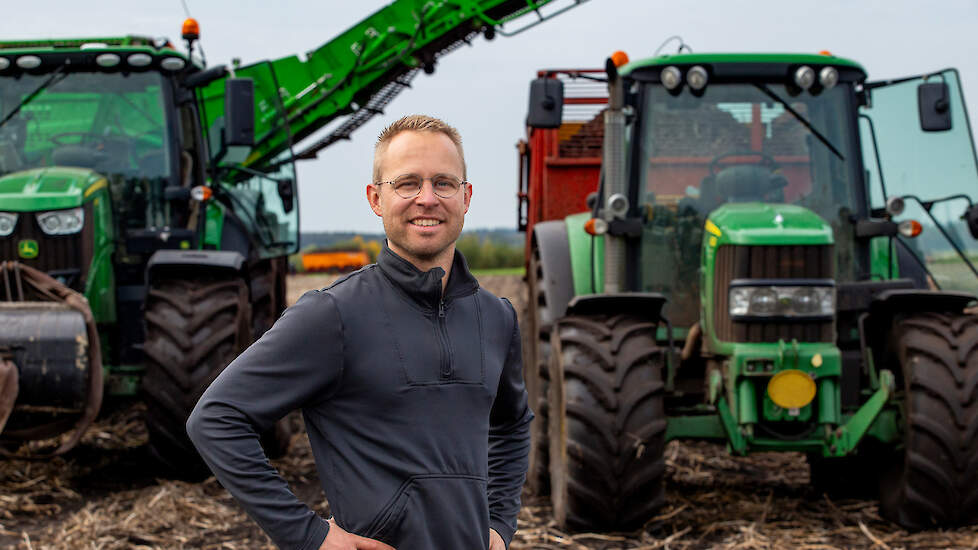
x,y
64,257
770,262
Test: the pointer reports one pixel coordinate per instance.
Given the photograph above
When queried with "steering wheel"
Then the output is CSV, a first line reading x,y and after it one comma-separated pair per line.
x,y
766,160
59,139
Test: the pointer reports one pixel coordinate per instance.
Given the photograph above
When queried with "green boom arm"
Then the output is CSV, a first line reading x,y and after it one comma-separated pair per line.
x,y
360,70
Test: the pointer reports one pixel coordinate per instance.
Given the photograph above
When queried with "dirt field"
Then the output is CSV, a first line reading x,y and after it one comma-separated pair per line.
x,y
104,494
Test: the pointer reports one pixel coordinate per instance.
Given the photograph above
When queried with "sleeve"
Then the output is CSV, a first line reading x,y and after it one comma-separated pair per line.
x,y
297,362
509,441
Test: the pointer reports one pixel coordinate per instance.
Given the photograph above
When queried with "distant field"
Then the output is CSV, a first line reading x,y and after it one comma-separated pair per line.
x,y
499,271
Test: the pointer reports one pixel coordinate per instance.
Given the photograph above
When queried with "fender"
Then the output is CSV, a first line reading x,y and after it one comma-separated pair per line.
x,y
550,239
224,261
893,301
642,304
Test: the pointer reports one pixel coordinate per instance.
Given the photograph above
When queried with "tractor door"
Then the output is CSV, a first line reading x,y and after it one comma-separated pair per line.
x,y
917,144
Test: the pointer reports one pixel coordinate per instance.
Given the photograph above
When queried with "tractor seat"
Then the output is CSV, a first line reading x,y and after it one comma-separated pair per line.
x,y
75,155
750,182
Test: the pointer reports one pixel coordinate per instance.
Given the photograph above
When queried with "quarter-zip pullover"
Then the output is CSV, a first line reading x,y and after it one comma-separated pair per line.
x,y
414,404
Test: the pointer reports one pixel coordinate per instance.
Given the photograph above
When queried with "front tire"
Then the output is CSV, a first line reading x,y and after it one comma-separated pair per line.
x,y
934,481
194,328
607,422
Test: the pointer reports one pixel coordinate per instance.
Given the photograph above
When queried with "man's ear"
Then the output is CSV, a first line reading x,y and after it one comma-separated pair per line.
x,y
468,196
373,197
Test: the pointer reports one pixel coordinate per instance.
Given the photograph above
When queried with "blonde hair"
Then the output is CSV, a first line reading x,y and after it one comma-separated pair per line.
x,y
415,123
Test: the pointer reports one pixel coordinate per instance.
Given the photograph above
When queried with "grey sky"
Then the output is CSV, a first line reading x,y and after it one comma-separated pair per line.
x,y
482,89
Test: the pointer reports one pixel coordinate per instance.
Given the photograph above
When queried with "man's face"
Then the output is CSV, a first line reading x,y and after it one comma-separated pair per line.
x,y
422,229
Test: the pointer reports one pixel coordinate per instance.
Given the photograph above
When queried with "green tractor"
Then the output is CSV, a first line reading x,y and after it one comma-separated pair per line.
x,y
763,250
148,204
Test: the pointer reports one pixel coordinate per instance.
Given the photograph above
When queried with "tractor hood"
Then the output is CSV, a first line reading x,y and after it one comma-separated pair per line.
x,y
755,223
52,188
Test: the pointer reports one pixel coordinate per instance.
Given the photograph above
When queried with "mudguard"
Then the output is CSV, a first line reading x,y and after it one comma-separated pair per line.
x,y
221,260
550,239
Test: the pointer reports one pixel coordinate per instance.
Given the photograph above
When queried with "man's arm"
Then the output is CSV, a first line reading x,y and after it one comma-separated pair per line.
x,y
298,361
509,442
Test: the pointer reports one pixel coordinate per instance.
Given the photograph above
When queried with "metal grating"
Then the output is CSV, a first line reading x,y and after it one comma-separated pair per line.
x,y
770,262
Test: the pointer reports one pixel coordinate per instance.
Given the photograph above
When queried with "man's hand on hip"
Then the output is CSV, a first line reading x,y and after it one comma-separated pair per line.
x,y
496,541
338,539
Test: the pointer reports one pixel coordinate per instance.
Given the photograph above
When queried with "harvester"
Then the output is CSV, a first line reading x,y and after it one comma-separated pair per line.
x,y
769,251
148,203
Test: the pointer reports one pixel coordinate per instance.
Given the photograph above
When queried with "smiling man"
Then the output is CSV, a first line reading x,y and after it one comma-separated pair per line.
x,y
408,375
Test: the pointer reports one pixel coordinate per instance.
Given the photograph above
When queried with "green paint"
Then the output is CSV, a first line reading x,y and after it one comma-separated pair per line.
x,y
586,256
847,437
41,189
307,94
213,225
882,259
886,427
708,426
756,223
829,400
123,380
100,277
736,441
739,58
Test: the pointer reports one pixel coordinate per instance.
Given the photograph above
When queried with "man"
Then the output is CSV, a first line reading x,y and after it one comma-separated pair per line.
x,y
407,373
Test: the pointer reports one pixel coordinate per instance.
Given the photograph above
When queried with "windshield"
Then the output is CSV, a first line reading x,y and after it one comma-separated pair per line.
x,y
112,123
737,143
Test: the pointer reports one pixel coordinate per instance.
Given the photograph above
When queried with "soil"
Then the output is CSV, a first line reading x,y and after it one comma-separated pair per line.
x,y
106,494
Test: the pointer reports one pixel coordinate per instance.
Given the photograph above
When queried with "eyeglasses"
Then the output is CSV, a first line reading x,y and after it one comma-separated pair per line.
x,y
408,186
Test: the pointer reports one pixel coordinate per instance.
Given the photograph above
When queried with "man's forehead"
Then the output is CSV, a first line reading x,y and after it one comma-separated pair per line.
x,y
411,146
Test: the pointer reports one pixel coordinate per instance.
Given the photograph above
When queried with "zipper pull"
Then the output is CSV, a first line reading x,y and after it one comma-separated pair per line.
x,y
441,308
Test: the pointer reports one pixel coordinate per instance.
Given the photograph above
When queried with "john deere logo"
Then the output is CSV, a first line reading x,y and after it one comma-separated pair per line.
x,y
27,249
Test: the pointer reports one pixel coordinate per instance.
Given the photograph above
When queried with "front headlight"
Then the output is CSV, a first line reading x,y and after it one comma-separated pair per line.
x,y
747,300
61,222
8,221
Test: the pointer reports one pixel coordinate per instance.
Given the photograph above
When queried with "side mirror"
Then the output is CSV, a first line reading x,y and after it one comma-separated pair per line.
x,y
239,112
934,106
971,217
546,103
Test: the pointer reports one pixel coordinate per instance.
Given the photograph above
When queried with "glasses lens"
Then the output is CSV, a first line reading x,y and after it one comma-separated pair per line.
x,y
445,186
408,185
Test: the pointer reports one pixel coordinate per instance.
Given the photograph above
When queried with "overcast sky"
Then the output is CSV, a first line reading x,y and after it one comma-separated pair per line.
x,y
482,90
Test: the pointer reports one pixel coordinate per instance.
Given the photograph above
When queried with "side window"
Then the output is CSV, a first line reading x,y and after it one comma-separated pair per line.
x,y
267,205
928,164
936,167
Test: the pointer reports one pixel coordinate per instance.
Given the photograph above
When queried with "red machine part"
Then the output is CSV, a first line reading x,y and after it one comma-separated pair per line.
x,y
560,167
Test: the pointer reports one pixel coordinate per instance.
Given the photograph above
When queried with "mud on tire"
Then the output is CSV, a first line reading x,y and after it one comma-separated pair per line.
x,y
607,422
934,479
194,328
536,360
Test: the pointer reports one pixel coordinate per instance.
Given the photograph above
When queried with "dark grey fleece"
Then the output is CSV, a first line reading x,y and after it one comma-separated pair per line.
x,y
413,401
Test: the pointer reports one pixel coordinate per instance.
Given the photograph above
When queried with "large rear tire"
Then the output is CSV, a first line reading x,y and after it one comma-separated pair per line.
x,y
934,481
607,422
194,328
536,374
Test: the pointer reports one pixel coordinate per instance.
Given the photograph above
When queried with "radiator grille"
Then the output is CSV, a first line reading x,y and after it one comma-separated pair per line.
x,y
770,262
63,256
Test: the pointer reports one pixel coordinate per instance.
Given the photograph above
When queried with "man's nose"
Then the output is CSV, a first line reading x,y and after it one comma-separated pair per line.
x,y
427,195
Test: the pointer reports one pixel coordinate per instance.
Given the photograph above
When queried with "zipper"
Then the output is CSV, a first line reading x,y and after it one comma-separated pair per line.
x,y
446,352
